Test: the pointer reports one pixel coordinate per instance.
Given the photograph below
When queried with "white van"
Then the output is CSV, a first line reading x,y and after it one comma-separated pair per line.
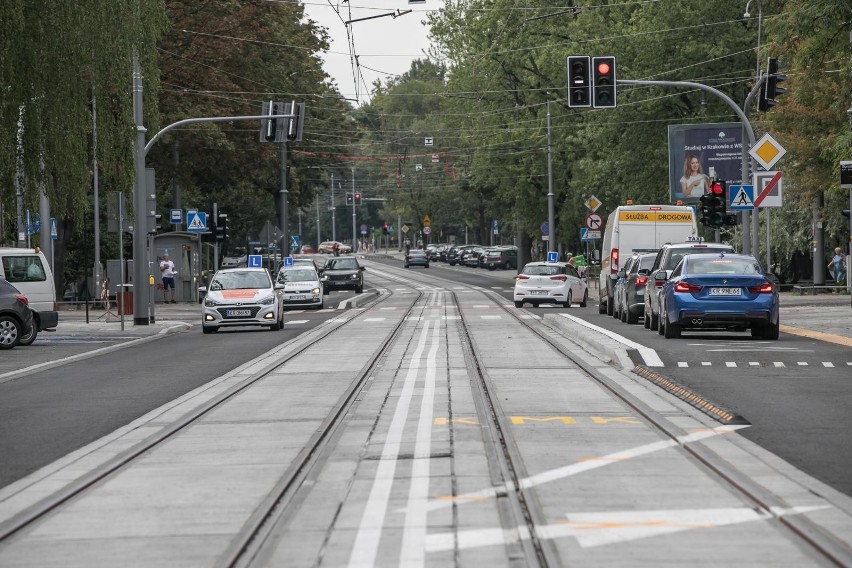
x,y
29,272
637,228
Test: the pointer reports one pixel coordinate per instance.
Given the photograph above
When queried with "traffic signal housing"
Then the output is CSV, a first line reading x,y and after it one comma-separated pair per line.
x,y
385,229
349,198
221,227
771,90
356,198
714,206
845,213
579,81
603,82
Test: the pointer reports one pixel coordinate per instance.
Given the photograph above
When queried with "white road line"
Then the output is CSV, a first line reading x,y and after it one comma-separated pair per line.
x,y
730,363
374,319
753,364
490,317
802,363
414,532
827,364
649,355
373,519
706,363
779,364
294,322
682,364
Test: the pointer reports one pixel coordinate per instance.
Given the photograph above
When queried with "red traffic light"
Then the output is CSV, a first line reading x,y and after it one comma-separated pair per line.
x,y
717,188
603,68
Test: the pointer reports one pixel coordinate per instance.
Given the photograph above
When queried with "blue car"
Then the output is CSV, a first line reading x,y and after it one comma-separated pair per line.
x,y
718,291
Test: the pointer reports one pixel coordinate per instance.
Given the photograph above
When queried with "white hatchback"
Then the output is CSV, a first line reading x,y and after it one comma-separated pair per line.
x,y
242,296
302,286
550,283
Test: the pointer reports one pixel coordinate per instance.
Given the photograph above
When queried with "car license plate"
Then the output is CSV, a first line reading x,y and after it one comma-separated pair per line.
x,y
238,313
726,291
298,297
538,292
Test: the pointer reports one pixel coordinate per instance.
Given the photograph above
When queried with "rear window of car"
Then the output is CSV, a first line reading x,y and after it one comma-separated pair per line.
x,y
542,270
713,265
678,254
297,275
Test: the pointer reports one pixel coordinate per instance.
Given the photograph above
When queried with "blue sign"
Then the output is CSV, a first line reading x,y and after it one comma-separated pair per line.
x,y
295,242
177,216
288,261
741,197
584,234
553,257
53,233
545,228
196,222
255,261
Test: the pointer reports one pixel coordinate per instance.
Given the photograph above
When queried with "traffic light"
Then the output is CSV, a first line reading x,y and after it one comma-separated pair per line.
x,y
579,81
603,82
349,199
357,199
269,127
295,124
714,206
845,213
222,227
771,89
385,229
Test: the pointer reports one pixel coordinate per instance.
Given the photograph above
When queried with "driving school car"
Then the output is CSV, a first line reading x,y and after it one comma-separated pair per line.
x,y
239,297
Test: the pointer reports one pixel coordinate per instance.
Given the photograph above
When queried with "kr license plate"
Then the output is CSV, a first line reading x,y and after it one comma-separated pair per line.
x,y
298,297
538,292
238,313
726,291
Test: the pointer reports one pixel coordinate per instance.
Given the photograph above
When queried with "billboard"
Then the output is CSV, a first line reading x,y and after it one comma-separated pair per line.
x,y
698,152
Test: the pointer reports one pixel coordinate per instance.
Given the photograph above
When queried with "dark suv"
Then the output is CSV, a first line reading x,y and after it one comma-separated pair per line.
x,y
501,257
667,259
341,273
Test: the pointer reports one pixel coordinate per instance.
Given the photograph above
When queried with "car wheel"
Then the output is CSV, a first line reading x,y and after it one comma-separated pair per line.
x,y
770,332
623,313
427,265
585,301
209,329
519,304
631,319
359,289
407,266
610,308
655,322
672,330
28,338
570,299
601,306
661,328
10,332
647,321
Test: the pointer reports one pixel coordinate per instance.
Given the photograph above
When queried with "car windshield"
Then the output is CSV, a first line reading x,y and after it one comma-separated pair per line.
x,y
341,264
541,270
297,275
237,252
241,280
716,265
677,255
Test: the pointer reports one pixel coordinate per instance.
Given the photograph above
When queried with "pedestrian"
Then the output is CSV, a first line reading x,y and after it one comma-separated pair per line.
x,y
167,270
837,267
335,248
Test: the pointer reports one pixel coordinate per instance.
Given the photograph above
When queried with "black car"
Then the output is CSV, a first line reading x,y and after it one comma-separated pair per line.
x,y
342,273
630,294
454,255
16,318
500,257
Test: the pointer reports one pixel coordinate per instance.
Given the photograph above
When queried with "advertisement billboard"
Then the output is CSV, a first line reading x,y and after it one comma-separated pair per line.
x,y
698,152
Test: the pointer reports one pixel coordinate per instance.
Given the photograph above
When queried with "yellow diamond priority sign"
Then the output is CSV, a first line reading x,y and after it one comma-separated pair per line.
x,y
767,151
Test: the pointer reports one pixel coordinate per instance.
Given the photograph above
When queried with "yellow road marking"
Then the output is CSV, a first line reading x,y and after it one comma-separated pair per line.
x,y
818,335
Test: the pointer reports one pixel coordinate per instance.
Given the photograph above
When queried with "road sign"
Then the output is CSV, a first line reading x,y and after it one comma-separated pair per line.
x,y
741,197
176,216
767,151
427,230
545,228
405,228
295,242
363,229
428,141
495,227
196,222
846,175
53,233
768,189
427,222
593,203
593,221
255,261
553,257
587,235
436,158
288,261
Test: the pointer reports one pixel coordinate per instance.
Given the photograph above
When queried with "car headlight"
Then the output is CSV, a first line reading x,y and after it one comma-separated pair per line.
x,y
324,279
354,276
267,301
208,301
315,291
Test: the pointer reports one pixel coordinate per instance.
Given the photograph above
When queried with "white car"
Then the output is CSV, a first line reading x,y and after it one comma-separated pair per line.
x,y
302,286
238,297
550,283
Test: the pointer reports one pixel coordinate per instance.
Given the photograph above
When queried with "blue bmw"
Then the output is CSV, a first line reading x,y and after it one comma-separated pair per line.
x,y
718,291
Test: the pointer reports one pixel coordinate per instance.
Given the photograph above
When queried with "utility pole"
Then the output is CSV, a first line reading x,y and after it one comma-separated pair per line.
x,y
551,214
353,211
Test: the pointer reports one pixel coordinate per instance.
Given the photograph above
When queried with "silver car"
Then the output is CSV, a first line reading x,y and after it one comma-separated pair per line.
x,y
239,297
302,286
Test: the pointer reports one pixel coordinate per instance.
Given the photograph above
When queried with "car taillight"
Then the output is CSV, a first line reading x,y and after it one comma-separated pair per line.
x,y
23,299
684,286
641,280
765,288
560,277
613,261
522,277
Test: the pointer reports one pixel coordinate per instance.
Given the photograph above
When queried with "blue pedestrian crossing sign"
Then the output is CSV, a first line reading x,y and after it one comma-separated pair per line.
x,y
196,221
741,197
553,257
255,261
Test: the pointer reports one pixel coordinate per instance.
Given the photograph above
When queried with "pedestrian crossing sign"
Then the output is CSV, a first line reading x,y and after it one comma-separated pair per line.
x,y
196,221
741,197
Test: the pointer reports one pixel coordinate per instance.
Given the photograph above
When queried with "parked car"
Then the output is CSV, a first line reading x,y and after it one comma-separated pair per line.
x,y
501,257
550,283
341,273
667,258
307,249
242,296
16,317
630,294
30,273
718,291
471,256
302,286
454,255
416,257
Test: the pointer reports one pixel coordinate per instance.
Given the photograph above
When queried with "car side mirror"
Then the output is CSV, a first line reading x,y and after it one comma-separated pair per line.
x,y
363,268
279,286
661,276
644,272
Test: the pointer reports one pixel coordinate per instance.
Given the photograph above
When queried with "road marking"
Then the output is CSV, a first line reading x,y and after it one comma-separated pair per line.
x,y
779,364
730,364
827,364
828,337
491,317
611,527
295,322
753,364
706,363
682,364
377,319
649,355
373,519
802,363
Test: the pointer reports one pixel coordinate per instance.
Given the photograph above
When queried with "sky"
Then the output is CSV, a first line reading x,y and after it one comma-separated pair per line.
x,y
385,46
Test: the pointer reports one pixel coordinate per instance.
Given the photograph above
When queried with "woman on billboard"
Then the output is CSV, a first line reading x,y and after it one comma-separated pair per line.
x,y
694,183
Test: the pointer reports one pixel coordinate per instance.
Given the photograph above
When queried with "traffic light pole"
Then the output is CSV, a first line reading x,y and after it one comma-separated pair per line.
x,y
551,214
748,226
283,196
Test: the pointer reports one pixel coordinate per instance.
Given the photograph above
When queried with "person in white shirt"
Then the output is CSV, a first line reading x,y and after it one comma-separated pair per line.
x,y
167,271
693,183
